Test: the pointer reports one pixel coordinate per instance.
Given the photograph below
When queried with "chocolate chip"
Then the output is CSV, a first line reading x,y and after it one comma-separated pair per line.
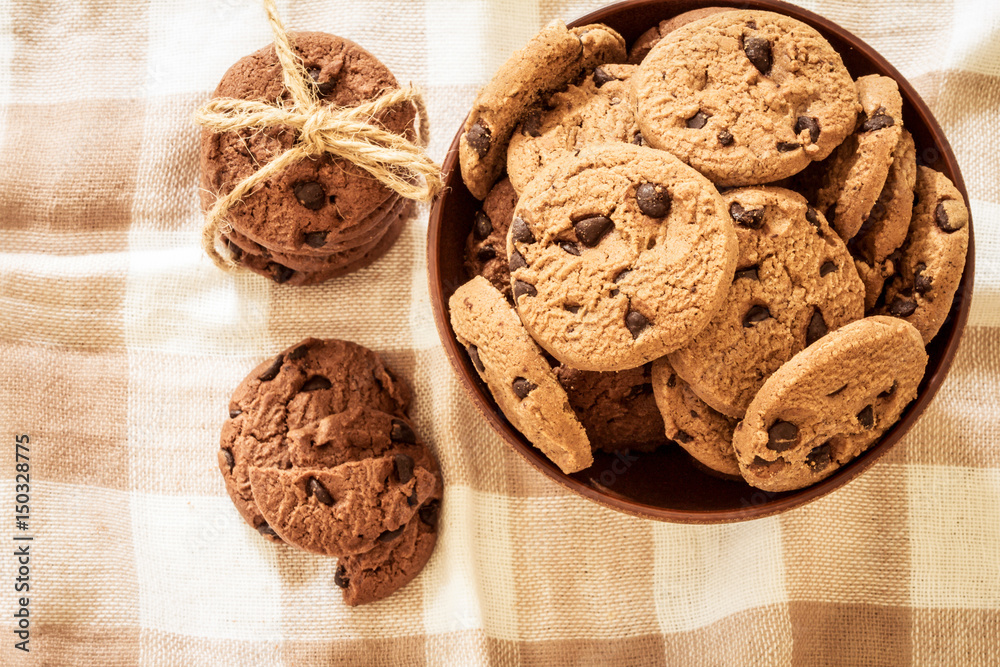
x,y
340,577
817,328
750,272
654,200
315,383
476,361
781,436
522,387
570,247
520,231
429,513
234,413
516,261
404,467
752,218
601,77
390,535
635,322
485,254
819,458
316,488
683,437
637,139
624,273
272,370
298,352
228,455
591,230
401,432
725,138
786,146
672,380
325,88
265,529
812,217
877,122
901,307
751,24
482,226
754,315
310,194
697,121
921,283
478,138
572,308
315,239
280,273
532,124
941,218
758,52
522,288
867,418
888,392
827,268
808,123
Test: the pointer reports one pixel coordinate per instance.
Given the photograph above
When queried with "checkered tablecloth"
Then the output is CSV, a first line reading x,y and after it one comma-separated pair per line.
x,y
120,344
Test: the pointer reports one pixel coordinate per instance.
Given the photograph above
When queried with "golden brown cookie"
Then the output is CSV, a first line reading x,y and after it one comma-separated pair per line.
x,y
618,256
745,97
856,173
552,58
520,379
933,257
705,434
597,110
829,403
794,282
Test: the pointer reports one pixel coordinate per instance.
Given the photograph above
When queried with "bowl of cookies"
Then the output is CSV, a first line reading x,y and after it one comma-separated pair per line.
x,y
700,263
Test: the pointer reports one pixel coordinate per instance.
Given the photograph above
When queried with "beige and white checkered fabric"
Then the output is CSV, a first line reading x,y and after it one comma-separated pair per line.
x,y
120,343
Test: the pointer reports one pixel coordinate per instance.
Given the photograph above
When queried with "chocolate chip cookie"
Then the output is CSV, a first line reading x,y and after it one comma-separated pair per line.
x,y
343,510
388,566
303,385
933,257
302,209
705,434
617,410
486,245
618,256
520,379
856,173
597,110
829,403
552,59
298,270
794,282
745,97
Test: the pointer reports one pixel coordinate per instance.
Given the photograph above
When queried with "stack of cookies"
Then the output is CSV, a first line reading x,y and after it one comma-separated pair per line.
x,y
318,453
319,218
721,223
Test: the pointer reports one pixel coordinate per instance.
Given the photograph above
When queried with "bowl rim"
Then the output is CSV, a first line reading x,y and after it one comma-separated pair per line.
x,y
958,316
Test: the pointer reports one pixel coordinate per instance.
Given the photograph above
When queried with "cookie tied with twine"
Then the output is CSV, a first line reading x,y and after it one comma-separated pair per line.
x,y
355,134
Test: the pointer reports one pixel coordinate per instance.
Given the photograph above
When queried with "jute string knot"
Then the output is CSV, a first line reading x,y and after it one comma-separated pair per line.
x,y
350,133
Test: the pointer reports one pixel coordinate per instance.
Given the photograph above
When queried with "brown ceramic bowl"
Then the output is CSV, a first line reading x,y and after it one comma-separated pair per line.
x,y
665,485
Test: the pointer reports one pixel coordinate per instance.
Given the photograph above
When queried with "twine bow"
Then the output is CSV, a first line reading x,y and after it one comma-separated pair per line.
x,y
351,133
